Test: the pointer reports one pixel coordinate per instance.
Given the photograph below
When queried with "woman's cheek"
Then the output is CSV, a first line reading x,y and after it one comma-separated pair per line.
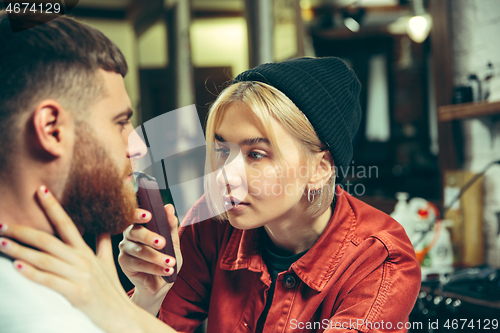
x,y
295,189
254,170
264,180
290,190
271,172
255,187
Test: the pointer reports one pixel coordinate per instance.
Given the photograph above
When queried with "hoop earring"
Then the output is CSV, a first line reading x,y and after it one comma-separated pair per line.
x,y
312,194
309,196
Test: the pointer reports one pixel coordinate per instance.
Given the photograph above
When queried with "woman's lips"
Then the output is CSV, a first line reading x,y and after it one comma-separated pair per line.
x,y
234,205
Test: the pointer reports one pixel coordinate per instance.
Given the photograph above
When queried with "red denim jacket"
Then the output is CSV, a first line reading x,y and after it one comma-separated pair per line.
x,y
360,275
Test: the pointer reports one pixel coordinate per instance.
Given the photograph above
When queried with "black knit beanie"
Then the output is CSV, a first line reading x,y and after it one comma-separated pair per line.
x,y
326,91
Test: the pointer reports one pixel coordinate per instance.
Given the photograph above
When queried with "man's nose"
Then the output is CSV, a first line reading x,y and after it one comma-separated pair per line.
x,y
136,148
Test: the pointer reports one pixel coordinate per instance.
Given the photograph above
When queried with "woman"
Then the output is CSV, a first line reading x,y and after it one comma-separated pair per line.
x,y
287,251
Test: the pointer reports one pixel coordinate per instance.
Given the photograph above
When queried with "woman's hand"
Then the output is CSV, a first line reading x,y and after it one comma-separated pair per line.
x,y
144,265
71,268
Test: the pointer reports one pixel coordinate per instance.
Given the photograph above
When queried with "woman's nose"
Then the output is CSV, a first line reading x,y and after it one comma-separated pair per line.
x,y
229,175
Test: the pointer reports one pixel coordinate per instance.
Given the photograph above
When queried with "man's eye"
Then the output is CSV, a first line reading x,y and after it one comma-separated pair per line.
x,y
124,123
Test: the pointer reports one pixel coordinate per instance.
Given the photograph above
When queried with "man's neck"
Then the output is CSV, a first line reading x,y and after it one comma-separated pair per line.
x,y
19,206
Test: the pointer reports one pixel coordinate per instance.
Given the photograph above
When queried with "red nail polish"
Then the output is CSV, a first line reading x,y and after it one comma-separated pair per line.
x,y
44,189
167,270
157,241
167,261
4,243
144,215
1,226
19,266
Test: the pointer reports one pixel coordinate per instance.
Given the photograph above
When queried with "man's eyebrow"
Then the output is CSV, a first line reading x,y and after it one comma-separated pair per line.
x,y
245,142
127,113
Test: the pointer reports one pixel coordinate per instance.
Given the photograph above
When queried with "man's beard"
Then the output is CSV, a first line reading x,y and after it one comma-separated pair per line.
x,y
96,196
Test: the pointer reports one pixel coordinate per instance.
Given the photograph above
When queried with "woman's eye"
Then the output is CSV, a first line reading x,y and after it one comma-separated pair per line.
x,y
255,155
221,152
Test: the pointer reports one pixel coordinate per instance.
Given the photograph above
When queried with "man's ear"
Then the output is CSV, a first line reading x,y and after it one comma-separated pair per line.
x,y
324,168
52,125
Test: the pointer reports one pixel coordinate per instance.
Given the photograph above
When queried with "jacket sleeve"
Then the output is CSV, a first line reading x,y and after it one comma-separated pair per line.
x,y
186,305
380,291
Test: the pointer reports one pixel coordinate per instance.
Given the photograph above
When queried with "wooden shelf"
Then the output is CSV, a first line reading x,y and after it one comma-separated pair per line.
x,y
467,110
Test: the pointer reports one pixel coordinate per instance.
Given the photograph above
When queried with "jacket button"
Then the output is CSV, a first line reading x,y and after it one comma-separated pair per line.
x,y
289,281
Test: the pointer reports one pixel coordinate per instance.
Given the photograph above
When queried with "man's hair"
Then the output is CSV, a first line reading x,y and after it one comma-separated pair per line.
x,y
58,60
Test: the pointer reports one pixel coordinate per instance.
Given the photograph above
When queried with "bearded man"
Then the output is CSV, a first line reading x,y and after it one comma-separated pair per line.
x,y
64,128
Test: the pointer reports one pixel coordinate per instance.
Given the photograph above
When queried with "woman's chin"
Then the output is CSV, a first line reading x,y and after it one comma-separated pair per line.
x,y
239,223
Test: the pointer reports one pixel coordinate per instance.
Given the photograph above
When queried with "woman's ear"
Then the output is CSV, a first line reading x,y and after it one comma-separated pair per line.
x,y
323,169
52,125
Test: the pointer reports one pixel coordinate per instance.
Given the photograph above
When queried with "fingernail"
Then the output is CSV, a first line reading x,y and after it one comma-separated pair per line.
x,y
3,228
167,261
44,190
157,241
138,249
144,216
167,270
19,266
4,244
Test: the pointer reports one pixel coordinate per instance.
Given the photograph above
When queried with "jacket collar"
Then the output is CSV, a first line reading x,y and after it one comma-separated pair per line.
x,y
316,267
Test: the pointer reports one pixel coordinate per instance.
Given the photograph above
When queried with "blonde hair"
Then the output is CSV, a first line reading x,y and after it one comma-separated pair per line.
x,y
268,102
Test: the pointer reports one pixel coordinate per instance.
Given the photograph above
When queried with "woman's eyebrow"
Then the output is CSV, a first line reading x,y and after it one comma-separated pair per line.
x,y
252,141
245,142
219,137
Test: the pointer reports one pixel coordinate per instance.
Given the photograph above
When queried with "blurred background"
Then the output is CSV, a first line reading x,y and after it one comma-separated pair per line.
x,y
183,52
430,96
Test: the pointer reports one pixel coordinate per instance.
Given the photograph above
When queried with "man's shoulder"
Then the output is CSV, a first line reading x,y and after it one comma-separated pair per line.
x,y
30,307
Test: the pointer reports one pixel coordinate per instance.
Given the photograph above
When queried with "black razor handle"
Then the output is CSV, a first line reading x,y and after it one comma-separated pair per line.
x,y
149,197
